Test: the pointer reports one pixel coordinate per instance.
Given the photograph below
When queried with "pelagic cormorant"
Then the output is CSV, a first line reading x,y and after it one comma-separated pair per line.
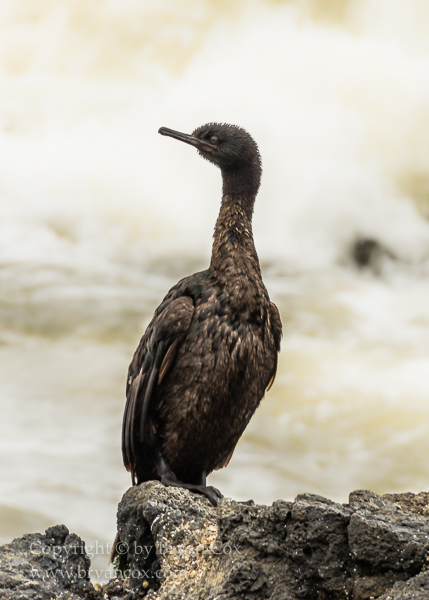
x,y
210,351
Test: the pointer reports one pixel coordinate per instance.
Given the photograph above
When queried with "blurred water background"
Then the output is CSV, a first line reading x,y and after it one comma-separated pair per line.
x,y
99,216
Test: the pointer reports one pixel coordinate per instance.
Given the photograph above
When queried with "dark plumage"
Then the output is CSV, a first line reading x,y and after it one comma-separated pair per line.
x,y
210,351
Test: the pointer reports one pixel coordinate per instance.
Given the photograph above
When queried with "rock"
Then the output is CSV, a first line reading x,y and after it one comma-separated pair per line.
x,y
383,537
176,545
53,565
408,502
415,588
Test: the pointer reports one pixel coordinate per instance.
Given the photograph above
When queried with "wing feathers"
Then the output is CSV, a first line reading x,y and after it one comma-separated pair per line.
x,y
127,425
151,383
169,357
271,381
276,327
151,363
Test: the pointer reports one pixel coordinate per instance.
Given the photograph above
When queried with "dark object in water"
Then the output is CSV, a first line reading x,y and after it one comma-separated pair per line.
x,y
210,351
364,250
371,255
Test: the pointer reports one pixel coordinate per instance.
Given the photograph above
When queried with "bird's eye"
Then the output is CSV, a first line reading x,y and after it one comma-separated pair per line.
x,y
214,139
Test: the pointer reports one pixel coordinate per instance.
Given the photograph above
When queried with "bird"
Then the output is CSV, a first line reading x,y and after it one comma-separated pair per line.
x,y
210,351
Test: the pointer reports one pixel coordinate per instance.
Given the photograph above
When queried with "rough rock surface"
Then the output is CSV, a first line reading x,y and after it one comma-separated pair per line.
x,y
53,565
179,546
176,545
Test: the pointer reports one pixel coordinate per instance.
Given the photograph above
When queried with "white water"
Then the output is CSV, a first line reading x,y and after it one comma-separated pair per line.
x,y
99,216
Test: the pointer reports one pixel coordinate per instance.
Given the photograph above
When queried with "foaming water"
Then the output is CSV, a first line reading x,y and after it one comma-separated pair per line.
x,y
100,216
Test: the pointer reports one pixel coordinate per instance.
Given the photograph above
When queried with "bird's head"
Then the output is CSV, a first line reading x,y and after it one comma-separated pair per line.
x,y
229,147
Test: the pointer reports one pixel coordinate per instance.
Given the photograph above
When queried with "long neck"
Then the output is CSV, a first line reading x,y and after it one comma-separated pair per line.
x,y
234,253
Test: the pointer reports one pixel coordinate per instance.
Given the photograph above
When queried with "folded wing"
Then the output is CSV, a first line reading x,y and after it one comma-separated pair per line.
x,y
152,361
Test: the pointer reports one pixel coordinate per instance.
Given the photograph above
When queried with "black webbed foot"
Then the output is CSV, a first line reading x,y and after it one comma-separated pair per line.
x,y
167,477
209,491
212,493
